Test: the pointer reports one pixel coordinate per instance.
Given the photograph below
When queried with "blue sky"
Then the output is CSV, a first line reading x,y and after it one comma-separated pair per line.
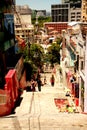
x,y
38,4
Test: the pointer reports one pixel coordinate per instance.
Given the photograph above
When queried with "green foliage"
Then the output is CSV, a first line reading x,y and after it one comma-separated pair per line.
x,y
34,54
59,40
41,20
54,53
36,48
30,68
37,53
34,60
25,51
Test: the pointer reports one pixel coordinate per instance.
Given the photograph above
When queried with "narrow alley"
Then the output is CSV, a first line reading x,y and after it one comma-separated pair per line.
x,y
38,111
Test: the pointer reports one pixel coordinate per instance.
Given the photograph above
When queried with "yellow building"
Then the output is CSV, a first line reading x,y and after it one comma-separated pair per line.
x,y
84,11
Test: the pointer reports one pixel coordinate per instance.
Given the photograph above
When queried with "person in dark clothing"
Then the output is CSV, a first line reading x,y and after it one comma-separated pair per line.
x,y
52,80
39,83
45,81
33,84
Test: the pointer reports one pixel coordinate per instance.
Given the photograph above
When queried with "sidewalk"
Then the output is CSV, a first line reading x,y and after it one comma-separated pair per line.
x,y
38,111
56,92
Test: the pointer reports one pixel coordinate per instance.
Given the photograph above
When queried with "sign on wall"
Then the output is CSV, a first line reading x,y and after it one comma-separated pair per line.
x,y
9,23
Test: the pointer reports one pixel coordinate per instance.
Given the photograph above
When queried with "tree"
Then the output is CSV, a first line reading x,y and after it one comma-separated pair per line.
x,y
59,40
53,54
37,54
41,20
33,56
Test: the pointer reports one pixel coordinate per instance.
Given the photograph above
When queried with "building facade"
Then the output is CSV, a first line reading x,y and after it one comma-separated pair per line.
x,y
84,11
67,11
7,37
41,13
60,12
75,58
57,26
75,14
22,21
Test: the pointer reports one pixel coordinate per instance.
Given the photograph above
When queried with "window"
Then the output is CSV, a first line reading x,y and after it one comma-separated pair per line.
x,y
18,31
60,18
82,65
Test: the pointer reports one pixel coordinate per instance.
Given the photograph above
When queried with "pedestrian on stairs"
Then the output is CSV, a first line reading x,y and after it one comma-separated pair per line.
x,y
52,80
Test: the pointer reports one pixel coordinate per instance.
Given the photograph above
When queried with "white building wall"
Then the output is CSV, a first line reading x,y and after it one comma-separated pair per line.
x,y
26,19
85,89
82,70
